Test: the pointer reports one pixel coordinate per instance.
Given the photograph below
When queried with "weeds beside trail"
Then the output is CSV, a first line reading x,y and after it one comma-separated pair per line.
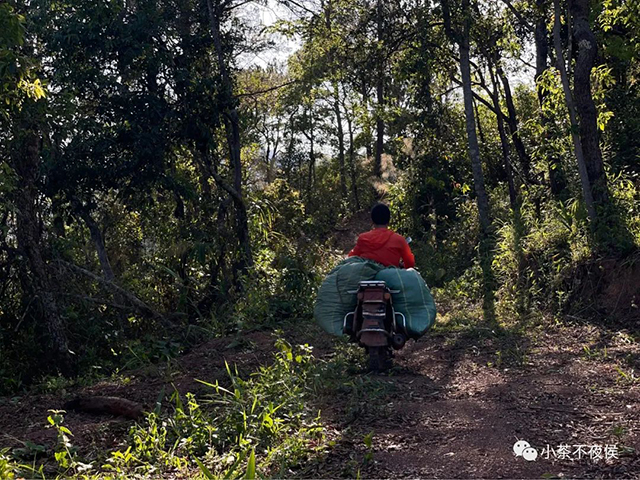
x,y
452,407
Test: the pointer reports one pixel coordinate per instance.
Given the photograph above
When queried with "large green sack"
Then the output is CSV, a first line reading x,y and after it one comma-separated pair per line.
x,y
333,301
414,299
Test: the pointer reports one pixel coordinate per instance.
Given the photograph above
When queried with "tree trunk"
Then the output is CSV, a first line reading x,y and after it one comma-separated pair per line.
x,y
478,122
312,162
585,106
504,142
341,160
353,165
542,45
486,246
312,157
98,241
514,198
232,129
366,129
377,167
512,121
568,95
557,181
27,166
273,164
472,139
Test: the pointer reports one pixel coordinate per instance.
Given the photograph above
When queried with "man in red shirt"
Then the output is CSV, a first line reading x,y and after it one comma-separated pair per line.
x,y
381,244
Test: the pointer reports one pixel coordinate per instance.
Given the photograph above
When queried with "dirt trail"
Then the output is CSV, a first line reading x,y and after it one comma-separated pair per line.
x,y
452,407
458,402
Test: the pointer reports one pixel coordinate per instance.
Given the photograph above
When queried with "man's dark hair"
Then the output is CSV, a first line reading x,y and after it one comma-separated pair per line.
x,y
380,214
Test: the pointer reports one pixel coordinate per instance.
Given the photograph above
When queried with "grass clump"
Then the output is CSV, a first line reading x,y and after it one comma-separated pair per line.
x,y
255,426
260,423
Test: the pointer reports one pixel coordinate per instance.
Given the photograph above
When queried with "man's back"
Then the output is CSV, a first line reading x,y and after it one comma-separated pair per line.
x,y
384,246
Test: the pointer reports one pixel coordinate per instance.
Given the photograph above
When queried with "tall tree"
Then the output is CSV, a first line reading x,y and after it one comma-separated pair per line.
x,y
557,181
587,52
342,169
575,129
218,11
463,39
26,162
380,76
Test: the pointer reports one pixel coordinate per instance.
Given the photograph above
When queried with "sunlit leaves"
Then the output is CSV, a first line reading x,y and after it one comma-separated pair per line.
x,y
620,21
17,80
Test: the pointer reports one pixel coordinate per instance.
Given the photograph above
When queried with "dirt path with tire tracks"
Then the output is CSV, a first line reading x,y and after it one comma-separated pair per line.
x,y
456,403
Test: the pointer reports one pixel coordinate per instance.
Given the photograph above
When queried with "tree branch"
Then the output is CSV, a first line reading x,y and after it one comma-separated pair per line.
x,y
135,301
270,89
519,16
226,187
477,97
297,4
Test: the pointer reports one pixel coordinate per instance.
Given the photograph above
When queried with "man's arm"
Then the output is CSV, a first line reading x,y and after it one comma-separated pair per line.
x,y
407,255
356,251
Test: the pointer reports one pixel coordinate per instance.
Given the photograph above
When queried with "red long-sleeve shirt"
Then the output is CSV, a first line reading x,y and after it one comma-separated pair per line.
x,y
384,246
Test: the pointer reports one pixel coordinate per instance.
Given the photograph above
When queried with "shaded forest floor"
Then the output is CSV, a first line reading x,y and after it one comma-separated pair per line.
x,y
452,407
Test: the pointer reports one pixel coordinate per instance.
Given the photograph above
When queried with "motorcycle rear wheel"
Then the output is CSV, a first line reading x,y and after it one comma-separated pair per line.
x,y
379,359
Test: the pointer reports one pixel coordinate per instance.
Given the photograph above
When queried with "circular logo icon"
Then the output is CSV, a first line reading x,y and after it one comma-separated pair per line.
x,y
519,447
530,454
523,449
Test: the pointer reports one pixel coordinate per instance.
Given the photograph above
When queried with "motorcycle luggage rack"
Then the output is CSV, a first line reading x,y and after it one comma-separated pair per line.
x,y
344,321
353,292
404,321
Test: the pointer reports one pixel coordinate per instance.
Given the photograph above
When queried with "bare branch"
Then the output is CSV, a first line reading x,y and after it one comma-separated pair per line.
x,y
476,96
519,16
135,301
300,5
225,186
267,90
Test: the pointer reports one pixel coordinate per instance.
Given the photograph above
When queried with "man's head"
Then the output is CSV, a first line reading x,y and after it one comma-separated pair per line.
x,y
380,215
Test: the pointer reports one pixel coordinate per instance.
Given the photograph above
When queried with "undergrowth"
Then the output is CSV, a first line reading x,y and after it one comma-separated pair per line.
x,y
264,425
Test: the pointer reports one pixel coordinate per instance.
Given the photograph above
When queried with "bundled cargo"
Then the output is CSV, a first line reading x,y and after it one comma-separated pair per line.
x,y
413,298
334,301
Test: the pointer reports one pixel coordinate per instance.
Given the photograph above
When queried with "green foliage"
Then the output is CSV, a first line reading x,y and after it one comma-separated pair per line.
x,y
65,453
286,273
7,467
256,424
17,81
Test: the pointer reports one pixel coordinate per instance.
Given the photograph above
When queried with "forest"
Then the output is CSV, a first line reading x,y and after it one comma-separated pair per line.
x,y
178,177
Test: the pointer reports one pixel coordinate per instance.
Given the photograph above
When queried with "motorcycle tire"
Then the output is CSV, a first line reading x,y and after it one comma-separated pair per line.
x,y
379,359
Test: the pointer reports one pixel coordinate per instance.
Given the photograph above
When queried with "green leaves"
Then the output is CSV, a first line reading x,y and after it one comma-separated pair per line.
x,y
251,466
205,471
259,422
17,80
11,27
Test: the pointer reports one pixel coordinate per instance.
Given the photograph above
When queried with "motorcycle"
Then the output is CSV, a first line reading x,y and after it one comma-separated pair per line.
x,y
375,325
